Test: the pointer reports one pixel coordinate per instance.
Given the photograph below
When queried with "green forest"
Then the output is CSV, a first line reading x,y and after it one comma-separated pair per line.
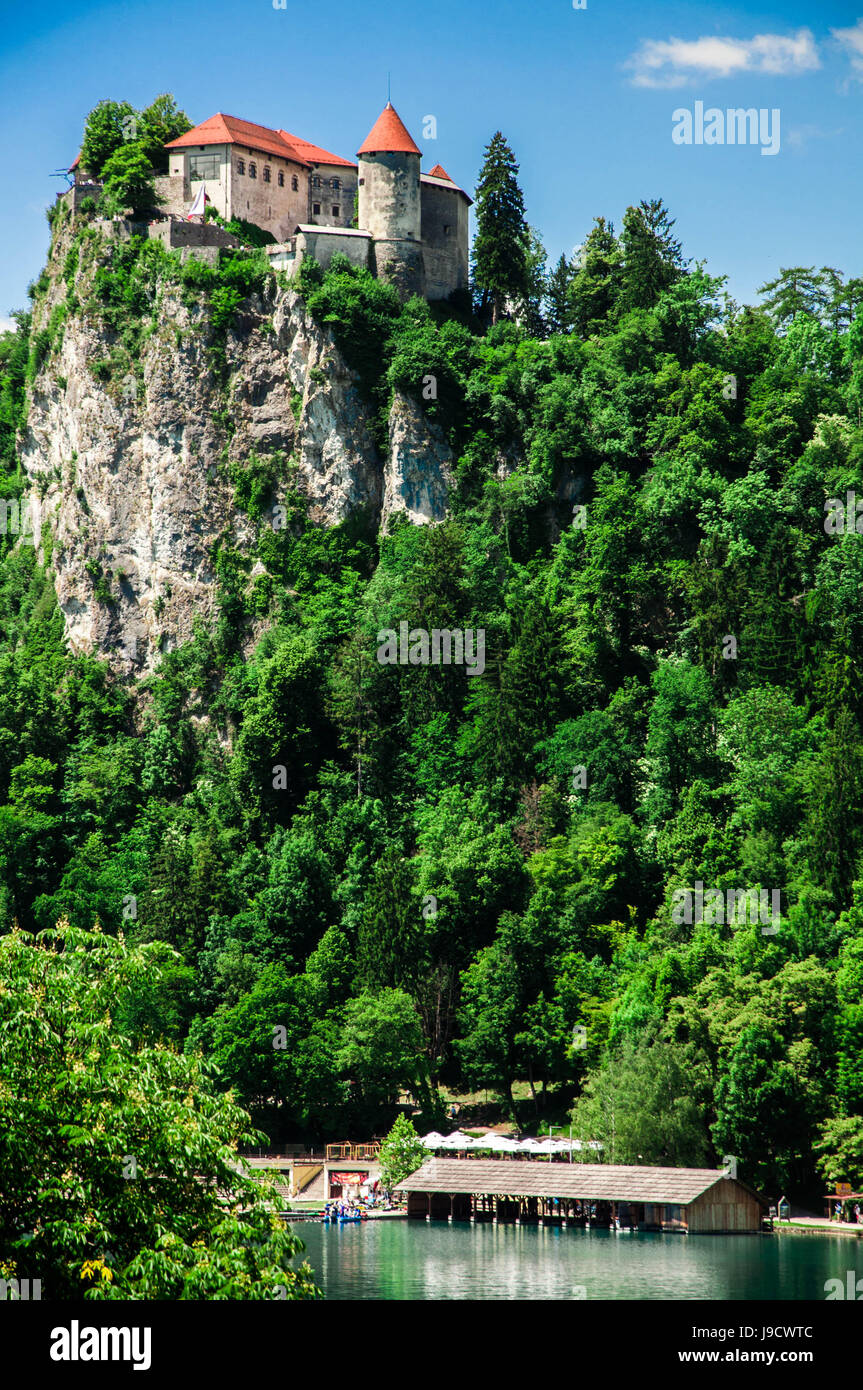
x,y
376,879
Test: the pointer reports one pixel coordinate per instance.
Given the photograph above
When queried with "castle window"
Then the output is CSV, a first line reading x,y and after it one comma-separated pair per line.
x,y
446,230
295,183
203,166
316,182
335,183
266,174
316,209
362,181
281,179
253,170
241,166
335,211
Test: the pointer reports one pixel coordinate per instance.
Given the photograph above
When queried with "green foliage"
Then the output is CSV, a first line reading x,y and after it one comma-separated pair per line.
x,y
129,187
157,125
402,1152
106,129
644,1105
118,1155
412,875
501,269
114,125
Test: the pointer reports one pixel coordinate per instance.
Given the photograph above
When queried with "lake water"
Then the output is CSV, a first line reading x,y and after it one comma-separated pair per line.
x,y
420,1261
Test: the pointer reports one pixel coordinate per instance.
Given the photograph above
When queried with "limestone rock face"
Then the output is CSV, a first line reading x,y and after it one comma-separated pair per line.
x,y
418,476
131,482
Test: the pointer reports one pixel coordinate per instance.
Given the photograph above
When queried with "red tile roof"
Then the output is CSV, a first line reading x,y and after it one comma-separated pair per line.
x,y
439,172
314,154
389,135
230,130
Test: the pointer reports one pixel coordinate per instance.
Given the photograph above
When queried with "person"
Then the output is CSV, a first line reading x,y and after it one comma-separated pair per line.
x,y
837,1211
857,1212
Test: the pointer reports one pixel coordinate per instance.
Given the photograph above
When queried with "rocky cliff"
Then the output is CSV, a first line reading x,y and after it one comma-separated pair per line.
x,y
132,468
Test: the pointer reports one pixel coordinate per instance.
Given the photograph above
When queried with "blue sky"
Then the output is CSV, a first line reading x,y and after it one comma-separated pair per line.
x,y
584,96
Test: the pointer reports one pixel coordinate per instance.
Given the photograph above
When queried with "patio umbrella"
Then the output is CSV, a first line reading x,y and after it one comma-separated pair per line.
x,y
489,1141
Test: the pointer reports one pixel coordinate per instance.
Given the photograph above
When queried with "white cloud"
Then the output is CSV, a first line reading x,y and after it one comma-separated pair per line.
x,y
852,41
677,62
7,325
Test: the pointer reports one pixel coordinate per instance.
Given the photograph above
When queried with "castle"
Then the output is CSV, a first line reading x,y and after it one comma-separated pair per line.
x,y
407,227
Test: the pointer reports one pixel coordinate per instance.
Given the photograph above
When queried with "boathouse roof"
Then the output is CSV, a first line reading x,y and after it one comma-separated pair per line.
x,y
590,1182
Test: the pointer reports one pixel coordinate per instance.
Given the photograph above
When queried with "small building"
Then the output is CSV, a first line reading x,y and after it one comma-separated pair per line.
x,y
697,1200
342,1170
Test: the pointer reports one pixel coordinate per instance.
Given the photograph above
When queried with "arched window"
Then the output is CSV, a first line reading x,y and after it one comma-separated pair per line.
x,y
241,166
253,169
281,179
266,174
336,183
316,182
295,183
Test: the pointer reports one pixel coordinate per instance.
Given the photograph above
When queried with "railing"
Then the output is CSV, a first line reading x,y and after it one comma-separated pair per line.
x,y
353,1151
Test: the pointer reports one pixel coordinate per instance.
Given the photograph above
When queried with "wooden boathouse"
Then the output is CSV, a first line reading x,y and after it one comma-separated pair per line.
x,y
699,1200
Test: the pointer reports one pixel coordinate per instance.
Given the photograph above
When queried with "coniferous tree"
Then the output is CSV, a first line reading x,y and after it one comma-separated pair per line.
x,y
795,290
530,304
500,269
652,257
595,285
559,297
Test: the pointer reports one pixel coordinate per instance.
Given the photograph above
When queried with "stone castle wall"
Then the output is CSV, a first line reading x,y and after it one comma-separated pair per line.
x,y
445,240
389,196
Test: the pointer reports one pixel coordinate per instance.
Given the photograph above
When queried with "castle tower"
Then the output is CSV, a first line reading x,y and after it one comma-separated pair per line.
x,y
389,201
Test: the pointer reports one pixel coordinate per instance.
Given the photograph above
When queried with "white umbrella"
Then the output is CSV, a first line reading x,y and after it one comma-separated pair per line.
x,y
546,1146
499,1143
455,1141
433,1140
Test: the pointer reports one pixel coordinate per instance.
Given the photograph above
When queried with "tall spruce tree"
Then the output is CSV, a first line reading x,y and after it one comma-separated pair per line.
x,y
559,308
652,257
500,267
595,286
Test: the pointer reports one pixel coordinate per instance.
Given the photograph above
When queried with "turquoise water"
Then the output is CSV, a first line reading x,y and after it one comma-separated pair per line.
x,y
420,1260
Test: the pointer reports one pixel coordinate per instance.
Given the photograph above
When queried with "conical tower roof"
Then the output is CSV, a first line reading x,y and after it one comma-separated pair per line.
x,y
389,135
439,172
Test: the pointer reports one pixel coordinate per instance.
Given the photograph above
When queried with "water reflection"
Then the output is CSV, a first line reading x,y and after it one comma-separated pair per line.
x,y
421,1261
